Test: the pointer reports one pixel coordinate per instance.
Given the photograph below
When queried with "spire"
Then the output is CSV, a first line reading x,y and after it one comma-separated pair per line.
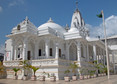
x,y
76,6
50,20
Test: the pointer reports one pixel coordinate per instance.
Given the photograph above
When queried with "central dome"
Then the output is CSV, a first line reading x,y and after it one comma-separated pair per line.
x,y
52,25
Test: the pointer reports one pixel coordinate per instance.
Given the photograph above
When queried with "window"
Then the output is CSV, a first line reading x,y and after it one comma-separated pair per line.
x,y
50,51
39,52
59,52
18,52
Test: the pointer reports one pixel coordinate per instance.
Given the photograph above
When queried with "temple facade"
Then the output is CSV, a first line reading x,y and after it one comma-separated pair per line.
x,y
52,47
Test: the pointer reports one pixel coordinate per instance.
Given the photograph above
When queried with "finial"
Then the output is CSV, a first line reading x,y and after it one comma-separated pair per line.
x,y
76,4
26,18
50,20
67,28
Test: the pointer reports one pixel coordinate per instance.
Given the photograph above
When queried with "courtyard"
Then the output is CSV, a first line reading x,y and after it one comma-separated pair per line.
x,y
98,80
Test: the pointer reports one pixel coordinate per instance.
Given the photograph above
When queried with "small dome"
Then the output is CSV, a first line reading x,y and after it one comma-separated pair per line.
x,y
52,25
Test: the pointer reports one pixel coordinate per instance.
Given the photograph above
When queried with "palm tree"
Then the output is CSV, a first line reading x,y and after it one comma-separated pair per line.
x,y
16,70
34,69
26,66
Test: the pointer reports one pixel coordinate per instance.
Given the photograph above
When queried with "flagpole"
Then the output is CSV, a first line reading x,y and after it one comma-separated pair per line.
x,y
107,57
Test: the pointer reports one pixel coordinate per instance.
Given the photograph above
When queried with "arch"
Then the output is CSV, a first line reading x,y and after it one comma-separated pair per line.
x,y
31,48
18,49
42,48
51,48
73,52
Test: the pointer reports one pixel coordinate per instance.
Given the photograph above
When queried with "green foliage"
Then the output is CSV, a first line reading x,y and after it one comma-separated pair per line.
x,y
105,69
34,69
16,70
81,71
74,66
25,64
91,72
67,71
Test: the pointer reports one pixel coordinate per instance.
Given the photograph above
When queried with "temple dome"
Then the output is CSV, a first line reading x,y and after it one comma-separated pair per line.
x,y
52,25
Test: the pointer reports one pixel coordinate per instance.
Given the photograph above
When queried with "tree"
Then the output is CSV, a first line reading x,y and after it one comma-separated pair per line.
x,y
16,70
34,69
74,66
66,72
26,65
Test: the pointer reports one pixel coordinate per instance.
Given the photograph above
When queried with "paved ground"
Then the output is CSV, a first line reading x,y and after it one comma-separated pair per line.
x,y
99,80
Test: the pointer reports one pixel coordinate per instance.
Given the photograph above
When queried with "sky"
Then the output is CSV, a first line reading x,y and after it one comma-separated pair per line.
x,y
12,12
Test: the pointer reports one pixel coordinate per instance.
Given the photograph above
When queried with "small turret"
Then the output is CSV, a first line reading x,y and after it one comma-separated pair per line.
x,y
67,28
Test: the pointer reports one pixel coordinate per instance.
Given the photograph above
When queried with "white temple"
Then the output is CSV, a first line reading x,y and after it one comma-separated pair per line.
x,y
52,46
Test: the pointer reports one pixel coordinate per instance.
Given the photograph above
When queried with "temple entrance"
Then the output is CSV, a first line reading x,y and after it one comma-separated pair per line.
x,y
28,55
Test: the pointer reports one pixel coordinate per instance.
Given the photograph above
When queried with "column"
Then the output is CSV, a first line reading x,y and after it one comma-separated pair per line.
x,y
103,57
57,51
36,50
15,53
47,48
25,48
97,56
113,62
87,52
12,50
78,51
94,53
67,51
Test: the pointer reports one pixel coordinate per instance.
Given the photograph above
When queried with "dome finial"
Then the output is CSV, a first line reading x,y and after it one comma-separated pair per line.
x,y
50,20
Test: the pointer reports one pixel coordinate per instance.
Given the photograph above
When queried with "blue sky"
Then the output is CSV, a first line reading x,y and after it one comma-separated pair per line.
x,y
12,12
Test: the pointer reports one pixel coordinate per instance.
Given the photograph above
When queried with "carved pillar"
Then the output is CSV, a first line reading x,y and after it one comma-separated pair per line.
x,y
36,50
12,50
57,51
87,52
67,51
113,62
15,53
25,48
94,53
78,52
47,48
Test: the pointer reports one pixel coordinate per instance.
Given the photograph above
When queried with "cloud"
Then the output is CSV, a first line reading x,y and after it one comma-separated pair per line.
x,y
16,2
111,27
2,49
1,9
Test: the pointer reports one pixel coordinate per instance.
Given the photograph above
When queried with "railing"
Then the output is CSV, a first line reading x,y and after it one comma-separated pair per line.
x,y
63,62
44,57
45,62
11,63
40,62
